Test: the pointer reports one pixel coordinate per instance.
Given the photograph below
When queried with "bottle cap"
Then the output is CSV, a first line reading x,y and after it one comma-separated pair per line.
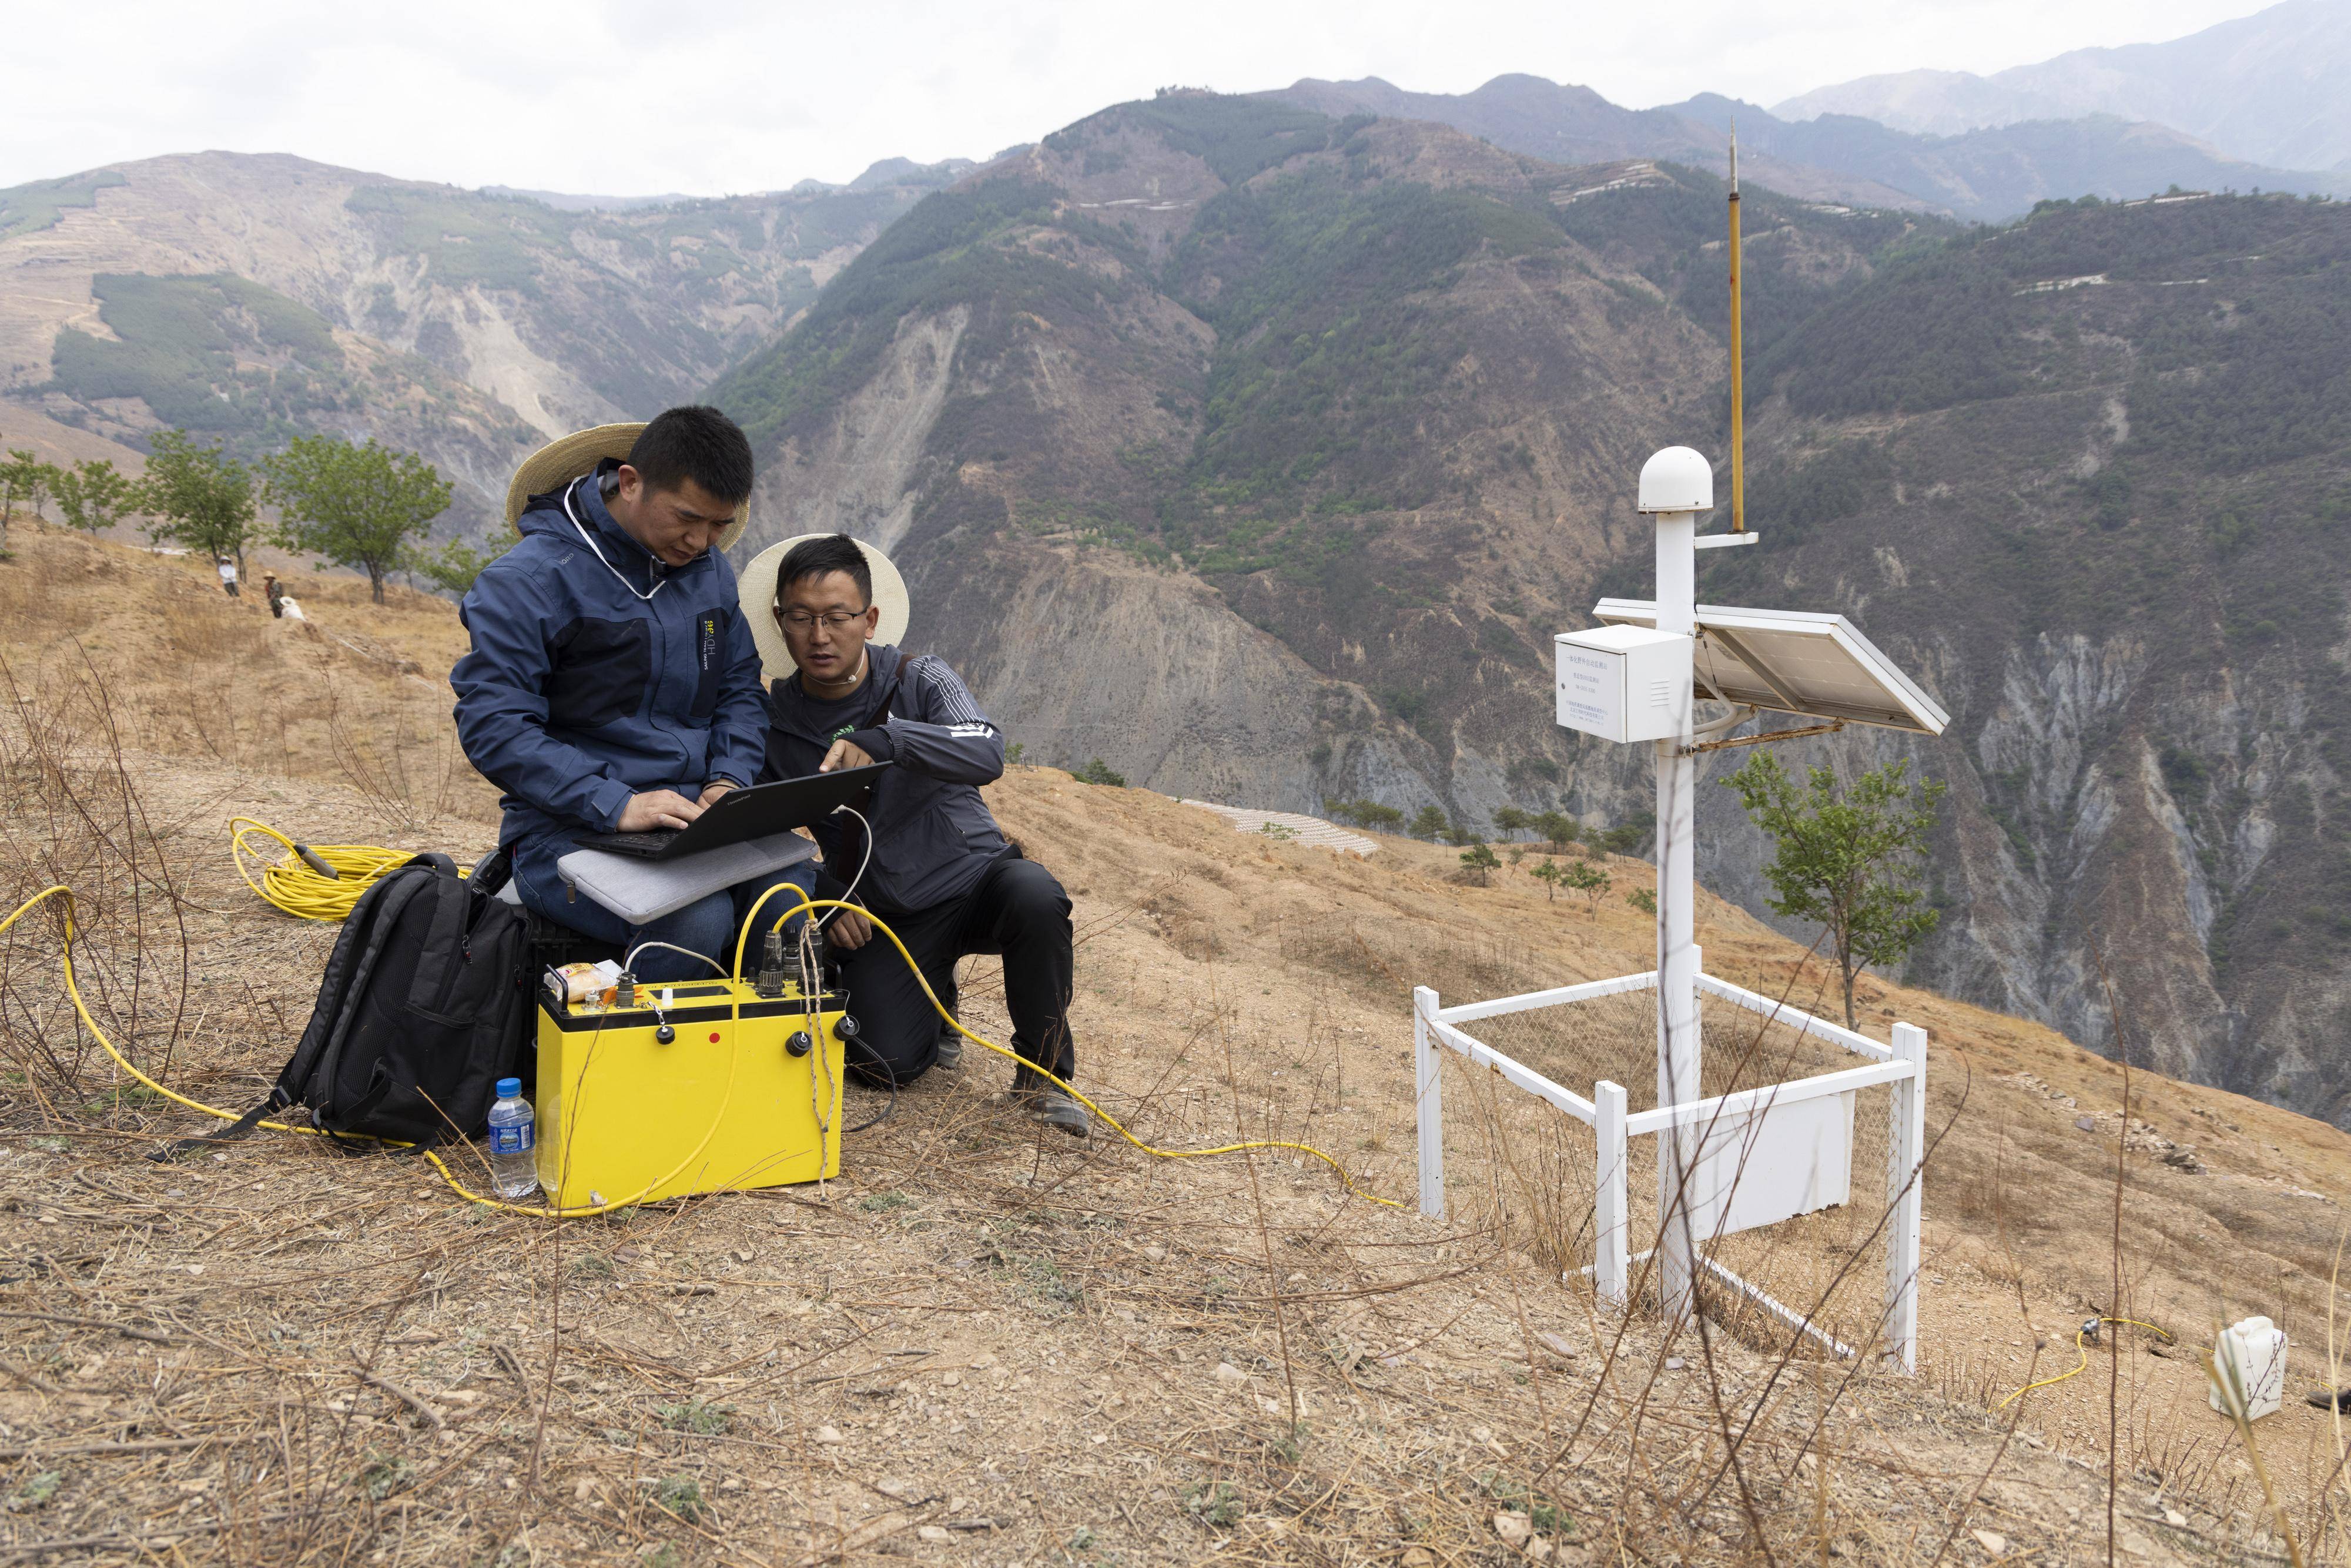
x,y
509,1088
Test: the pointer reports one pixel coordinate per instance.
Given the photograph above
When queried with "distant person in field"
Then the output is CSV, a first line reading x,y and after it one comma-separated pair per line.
x,y
228,568
276,594
613,686
826,612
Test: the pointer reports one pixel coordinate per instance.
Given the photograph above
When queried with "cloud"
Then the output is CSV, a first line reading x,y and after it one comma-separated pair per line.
x,y
671,95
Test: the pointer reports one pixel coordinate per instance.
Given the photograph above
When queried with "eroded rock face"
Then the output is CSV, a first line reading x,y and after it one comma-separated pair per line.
x,y
859,475
1084,447
471,326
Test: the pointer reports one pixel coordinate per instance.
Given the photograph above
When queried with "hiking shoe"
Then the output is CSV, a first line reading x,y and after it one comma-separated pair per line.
x,y
1055,1109
1044,1101
950,1055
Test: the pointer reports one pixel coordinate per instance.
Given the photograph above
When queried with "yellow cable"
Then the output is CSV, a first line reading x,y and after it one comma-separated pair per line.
x,y
2085,1351
811,905
73,991
365,855
291,884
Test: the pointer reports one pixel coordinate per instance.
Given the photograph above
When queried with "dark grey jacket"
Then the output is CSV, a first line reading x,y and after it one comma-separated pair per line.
x,y
933,835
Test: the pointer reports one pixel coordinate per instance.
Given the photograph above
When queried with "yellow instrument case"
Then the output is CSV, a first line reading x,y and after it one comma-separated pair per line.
x,y
621,1112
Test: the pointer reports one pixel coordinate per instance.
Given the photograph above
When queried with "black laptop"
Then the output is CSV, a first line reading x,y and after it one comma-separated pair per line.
x,y
740,815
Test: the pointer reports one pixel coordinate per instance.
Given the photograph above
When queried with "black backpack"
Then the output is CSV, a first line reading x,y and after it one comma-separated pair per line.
x,y
426,1005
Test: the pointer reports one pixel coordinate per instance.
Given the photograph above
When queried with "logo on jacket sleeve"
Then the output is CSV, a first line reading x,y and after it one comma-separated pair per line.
x,y
709,639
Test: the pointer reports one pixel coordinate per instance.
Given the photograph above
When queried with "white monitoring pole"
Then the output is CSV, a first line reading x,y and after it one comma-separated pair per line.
x,y
1676,485
1906,1153
1428,1105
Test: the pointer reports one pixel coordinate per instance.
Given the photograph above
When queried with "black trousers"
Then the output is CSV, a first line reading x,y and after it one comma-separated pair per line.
x,y
1018,912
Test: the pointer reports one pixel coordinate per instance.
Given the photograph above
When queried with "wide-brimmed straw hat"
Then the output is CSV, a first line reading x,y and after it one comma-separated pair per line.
x,y
566,458
757,587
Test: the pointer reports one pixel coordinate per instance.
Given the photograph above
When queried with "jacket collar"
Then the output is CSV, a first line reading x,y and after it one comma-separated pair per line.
x,y
794,710
550,514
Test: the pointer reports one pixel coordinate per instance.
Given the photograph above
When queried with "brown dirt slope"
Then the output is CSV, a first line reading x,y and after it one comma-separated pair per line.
x,y
985,1346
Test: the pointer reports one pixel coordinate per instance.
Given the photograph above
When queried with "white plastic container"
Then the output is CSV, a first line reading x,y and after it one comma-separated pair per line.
x,y
2250,1358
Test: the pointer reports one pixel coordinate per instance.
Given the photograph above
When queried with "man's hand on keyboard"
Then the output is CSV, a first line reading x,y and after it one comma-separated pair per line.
x,y
657,809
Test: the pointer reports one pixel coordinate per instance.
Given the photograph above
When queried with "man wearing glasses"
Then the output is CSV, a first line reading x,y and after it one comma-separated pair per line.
x,y
937,869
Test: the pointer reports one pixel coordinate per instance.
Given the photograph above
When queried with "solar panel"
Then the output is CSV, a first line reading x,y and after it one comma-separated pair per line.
x,y
1794,661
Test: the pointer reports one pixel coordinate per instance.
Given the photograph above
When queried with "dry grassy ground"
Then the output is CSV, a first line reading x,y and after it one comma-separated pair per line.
x,y
985,1346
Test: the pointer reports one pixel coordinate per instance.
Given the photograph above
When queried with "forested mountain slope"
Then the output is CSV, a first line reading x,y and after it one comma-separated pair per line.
x,y
2091,469
1299,436
1261,453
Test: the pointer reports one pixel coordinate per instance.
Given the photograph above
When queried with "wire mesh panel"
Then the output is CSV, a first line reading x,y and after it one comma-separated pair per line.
x,y
1529,1167
1526,1171
1828,1266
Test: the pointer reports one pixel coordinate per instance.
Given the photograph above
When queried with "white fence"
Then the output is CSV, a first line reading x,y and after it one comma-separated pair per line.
x,y
1741,1137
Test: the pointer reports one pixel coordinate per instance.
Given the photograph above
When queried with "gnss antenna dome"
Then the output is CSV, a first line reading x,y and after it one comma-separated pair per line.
x,y
1678,479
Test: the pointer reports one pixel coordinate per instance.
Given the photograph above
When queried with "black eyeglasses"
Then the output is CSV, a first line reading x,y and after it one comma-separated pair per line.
x,y
803,621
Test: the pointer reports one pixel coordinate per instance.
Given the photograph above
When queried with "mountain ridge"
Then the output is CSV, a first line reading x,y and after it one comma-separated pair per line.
x,y
2262,87
1983,174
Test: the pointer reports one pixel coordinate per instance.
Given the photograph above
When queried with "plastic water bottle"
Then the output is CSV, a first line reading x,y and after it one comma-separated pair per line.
x,y
513,1160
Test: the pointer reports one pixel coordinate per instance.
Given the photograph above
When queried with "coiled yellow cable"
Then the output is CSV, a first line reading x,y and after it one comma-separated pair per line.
x,y
294,885
549,1212
2085,1351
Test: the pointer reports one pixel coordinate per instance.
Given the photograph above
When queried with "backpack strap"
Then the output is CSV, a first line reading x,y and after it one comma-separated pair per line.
x,y
239,1128
443,949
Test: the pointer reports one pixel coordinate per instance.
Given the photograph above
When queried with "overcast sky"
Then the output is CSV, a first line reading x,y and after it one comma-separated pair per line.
x,y
644,96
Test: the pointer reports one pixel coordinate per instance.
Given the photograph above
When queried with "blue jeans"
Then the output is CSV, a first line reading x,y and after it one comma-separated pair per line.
x,y
706,926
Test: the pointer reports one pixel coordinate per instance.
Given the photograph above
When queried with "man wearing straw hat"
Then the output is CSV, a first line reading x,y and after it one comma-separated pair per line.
x,y
613,686
827,612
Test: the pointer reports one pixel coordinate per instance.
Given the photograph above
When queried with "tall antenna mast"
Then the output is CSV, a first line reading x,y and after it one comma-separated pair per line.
x,y
1737,382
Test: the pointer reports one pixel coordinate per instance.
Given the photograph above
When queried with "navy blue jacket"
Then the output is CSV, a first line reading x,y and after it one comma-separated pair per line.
x,y
934,837
578,693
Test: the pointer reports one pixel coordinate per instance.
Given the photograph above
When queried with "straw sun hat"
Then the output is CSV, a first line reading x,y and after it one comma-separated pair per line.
x,y
562,460
757,587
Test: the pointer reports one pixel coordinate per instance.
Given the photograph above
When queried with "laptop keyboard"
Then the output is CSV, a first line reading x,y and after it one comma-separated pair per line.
x,y
647,843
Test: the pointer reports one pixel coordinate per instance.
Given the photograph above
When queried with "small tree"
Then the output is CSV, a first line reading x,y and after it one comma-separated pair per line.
x,y
452,568
20,480
1589,880
1429,823
200,497
1099,772
1549,875
1364,813
1558,829
1641,899
357,506
8,484
1626,837
1511,819
94,495
1478,860
30,480
1845,856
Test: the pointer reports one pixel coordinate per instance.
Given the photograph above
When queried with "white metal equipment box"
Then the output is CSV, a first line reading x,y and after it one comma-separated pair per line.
x,y
1625,683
